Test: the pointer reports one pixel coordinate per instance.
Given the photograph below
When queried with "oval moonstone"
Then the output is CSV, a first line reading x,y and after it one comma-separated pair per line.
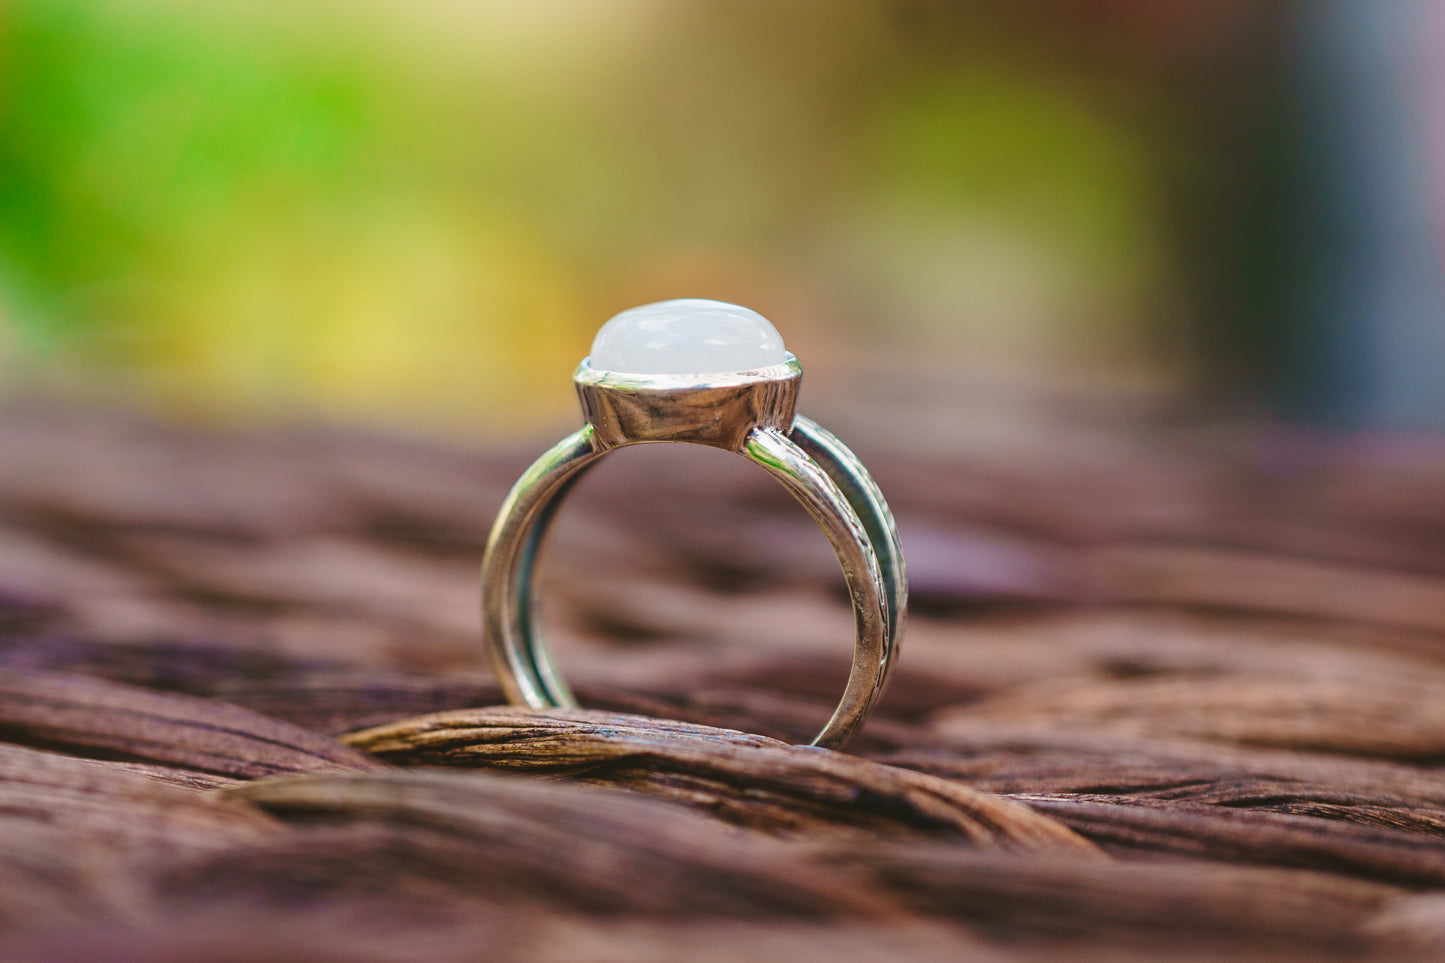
x,y
687,336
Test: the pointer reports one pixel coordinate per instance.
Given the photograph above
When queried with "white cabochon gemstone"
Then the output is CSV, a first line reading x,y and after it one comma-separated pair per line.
x,y
687,336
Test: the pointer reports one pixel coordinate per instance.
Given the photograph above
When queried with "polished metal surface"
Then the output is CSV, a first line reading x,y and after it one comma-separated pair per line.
x,y
752,414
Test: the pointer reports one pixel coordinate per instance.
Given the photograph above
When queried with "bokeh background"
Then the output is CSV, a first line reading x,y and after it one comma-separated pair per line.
x,y
417,214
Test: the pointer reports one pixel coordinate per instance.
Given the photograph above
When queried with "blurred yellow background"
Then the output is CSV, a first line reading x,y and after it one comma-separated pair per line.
x,y
419,213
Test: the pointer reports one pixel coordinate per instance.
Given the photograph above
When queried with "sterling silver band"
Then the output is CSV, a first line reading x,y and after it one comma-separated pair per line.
x,y
751,414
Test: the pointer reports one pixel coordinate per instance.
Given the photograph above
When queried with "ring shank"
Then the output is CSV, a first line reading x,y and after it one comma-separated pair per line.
x,y
810,462
509,606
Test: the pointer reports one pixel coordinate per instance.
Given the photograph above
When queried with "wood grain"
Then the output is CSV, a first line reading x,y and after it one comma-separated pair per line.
x,y
748,780
1165,695
125,722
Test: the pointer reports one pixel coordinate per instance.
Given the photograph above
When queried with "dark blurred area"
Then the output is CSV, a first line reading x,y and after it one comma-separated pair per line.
x,y
418,214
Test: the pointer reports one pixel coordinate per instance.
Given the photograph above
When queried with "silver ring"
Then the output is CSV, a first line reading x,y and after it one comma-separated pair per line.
x,y
749,412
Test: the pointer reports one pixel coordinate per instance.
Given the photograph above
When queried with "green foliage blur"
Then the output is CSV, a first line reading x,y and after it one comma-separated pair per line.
x,y
421,212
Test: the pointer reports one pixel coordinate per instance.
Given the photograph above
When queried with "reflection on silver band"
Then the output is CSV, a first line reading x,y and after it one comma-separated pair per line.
x,y
752,415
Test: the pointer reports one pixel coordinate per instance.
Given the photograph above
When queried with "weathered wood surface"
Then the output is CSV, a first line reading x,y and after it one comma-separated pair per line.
x,y
1163,695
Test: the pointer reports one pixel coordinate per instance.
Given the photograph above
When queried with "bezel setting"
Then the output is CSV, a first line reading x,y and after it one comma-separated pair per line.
x,y
719,410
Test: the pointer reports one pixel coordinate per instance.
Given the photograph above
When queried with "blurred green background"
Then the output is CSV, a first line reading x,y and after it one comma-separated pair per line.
x,y
418,214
